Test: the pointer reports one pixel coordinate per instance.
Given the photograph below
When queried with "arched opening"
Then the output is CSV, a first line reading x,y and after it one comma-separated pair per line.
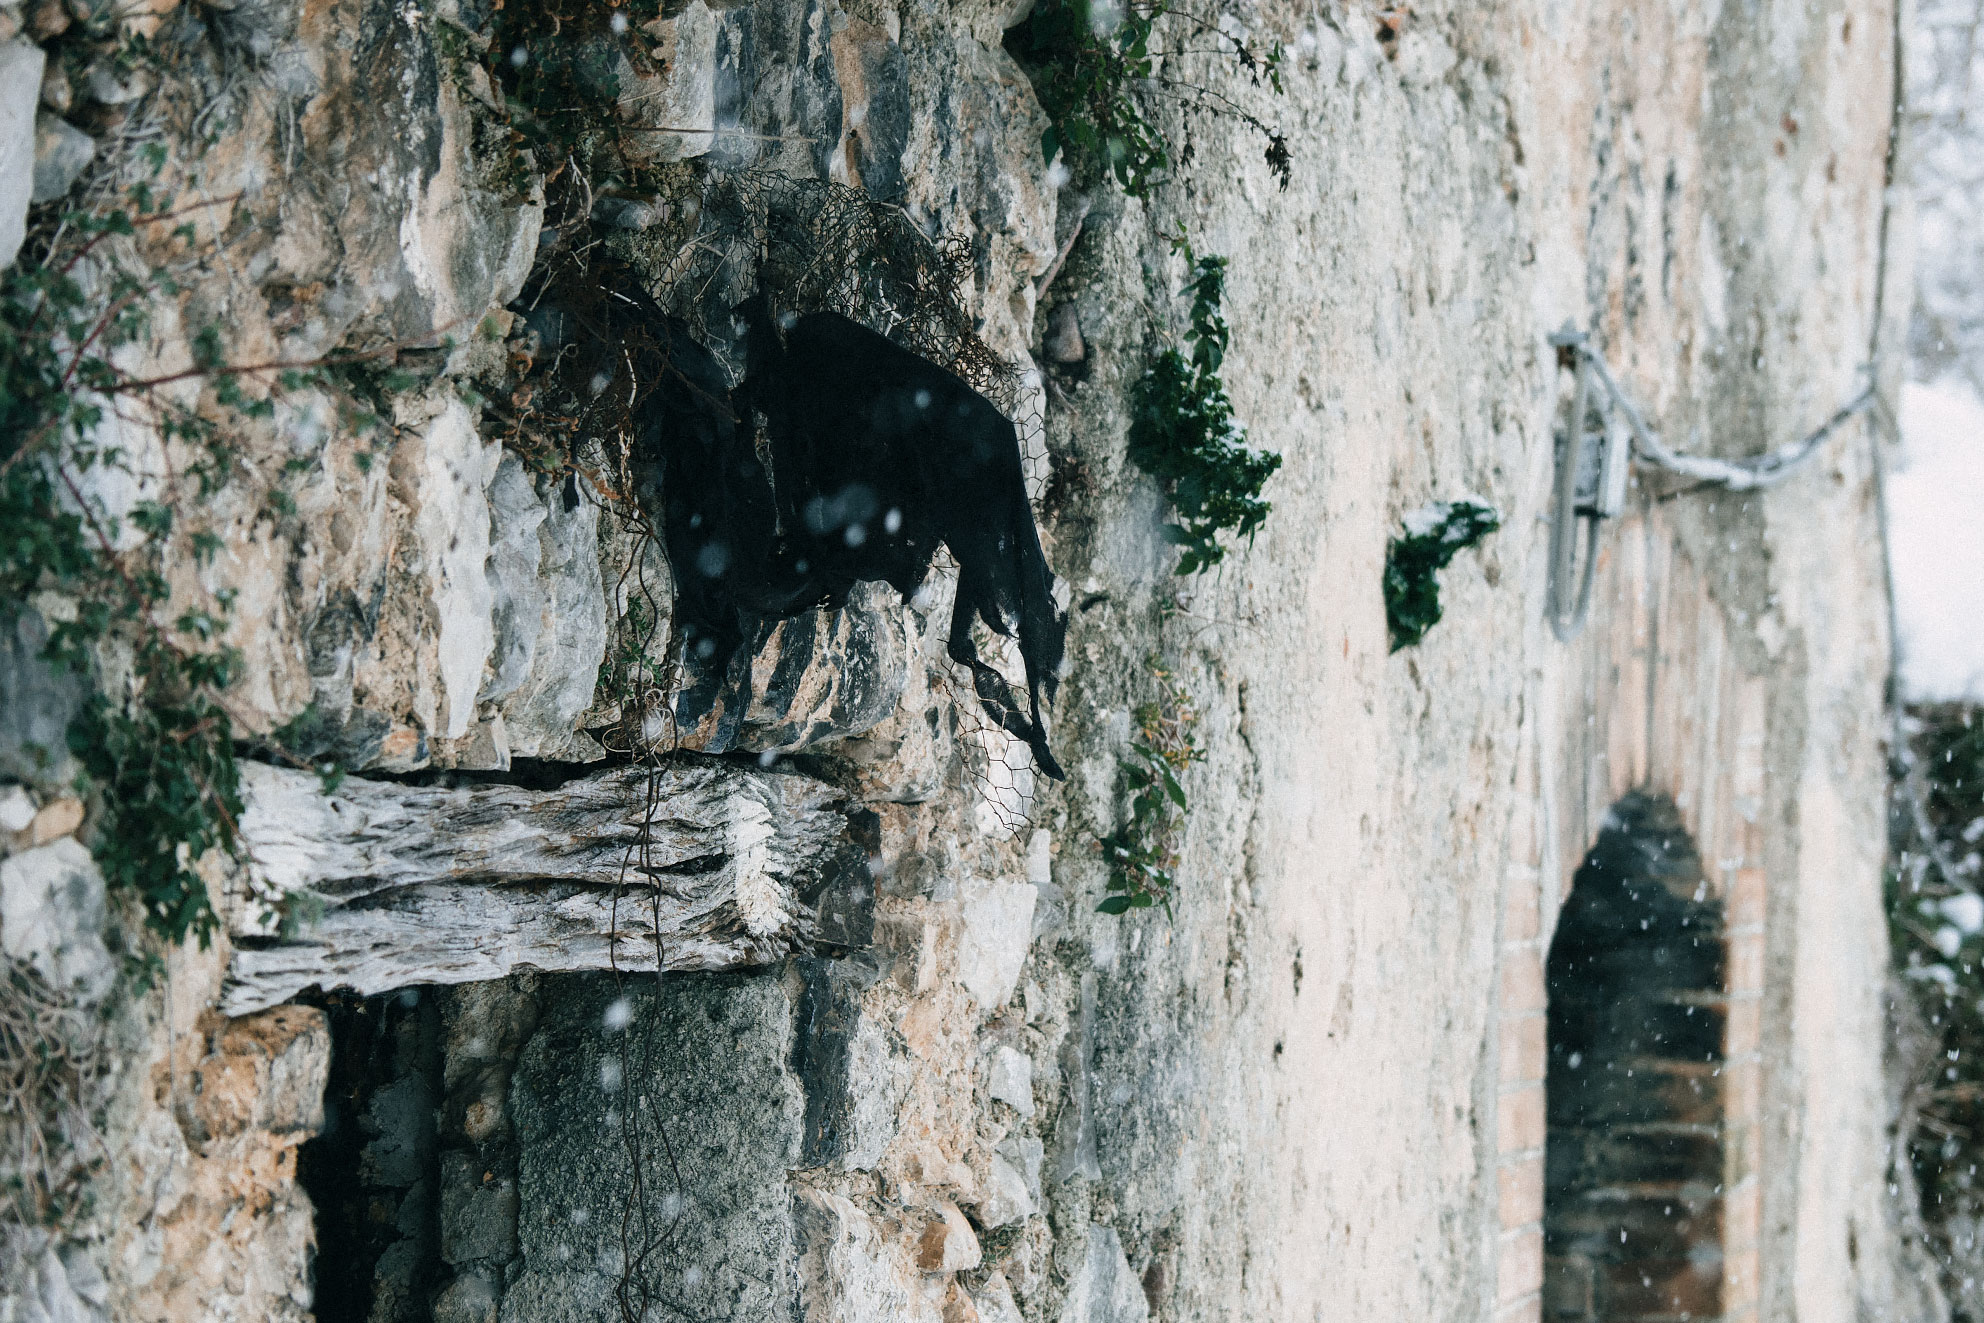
x,y
1632,1213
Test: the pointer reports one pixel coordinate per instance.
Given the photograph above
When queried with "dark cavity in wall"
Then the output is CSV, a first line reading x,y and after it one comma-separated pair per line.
x,y
371,1174
550,1150
1634,1157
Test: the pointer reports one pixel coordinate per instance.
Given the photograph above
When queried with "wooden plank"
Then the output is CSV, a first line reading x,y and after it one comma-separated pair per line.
x,y
453,884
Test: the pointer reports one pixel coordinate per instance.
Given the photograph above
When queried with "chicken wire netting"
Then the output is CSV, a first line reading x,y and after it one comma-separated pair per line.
x,y
699,243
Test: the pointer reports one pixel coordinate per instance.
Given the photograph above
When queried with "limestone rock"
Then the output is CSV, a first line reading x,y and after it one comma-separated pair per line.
x,y
1064,336
947,1242
453,527
38,699
1010,1079
683,99
848,1271
52,915
263,1074
16,809
1004,1199
20,81
61,153
1024,1153
819,676
1104,1289
58,1289
997,933
56,819
995,1301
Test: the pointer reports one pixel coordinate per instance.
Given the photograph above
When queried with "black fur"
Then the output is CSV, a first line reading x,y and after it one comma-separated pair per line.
x,y
878,457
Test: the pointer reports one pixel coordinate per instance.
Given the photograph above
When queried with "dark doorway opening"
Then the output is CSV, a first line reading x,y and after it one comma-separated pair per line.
x,y
1634,1156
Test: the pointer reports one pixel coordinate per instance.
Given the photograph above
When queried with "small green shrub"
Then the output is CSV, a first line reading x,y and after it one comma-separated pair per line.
x,y
1433,537
1094,68
1143,852
1183,433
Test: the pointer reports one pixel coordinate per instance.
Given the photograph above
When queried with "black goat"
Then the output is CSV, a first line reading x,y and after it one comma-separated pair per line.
x,y
878,457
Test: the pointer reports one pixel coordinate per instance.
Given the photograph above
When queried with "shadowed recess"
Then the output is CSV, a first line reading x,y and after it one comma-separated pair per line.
x,y
1633,1205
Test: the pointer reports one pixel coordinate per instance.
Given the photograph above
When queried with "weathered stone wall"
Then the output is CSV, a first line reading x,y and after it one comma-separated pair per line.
x,y
1315,1088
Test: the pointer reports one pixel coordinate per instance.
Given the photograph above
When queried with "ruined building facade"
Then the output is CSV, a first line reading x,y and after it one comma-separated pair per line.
x,y
1506,977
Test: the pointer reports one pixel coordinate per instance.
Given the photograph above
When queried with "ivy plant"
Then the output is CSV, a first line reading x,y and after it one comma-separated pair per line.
x,y
1096,68
156,748
1142,853
1433,536
1183,432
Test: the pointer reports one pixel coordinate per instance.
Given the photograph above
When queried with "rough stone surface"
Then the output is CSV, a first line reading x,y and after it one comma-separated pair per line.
x,y
998,929
61,153
1377,844
20,83
550,615
1010,1079
17,809
52,917
38,699
1104,1290
706,1059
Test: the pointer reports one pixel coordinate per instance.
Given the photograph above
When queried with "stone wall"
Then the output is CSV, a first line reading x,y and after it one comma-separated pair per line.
x,y
1315,1086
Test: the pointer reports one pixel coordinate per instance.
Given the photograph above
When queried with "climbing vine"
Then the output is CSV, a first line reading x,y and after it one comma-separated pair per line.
x,y
1142,853
1098,72
1183,432
154,740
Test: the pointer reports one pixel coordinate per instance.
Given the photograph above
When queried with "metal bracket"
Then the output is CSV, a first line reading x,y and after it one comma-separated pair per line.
x,y
1592,467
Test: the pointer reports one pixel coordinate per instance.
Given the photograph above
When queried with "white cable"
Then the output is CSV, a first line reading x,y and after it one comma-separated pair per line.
x,y
1738,475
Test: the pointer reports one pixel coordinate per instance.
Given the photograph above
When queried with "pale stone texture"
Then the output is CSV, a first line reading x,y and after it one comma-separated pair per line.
x,y
1104,1290
20,85
52,917
61,153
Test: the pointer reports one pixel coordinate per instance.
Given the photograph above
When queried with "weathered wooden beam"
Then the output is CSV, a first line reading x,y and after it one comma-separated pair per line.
x,y
702,866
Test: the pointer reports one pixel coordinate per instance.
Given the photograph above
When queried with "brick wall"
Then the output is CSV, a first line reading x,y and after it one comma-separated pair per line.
x,y
1651,699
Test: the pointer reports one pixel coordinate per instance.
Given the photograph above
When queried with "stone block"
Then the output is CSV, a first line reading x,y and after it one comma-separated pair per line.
x,y
947,1243
264,1073
993,944
1104,1289
57,818
478,1216
17,809
52,915
703,1058
1009,1079
38,699
1003,1196
21,65
61,153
